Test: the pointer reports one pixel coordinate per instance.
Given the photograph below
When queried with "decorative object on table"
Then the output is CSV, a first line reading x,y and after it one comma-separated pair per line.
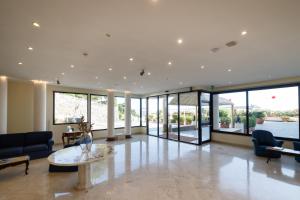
x,y
86,139
70,129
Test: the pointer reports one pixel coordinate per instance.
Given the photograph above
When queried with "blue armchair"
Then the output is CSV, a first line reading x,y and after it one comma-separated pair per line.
x,y
297,147
262,139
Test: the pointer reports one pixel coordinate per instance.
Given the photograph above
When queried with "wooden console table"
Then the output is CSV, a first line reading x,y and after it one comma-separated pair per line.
x,y
14,161
70,136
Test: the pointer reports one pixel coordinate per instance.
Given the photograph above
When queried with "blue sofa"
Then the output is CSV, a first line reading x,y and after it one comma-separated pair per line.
x,y
262,139
35,144
297,147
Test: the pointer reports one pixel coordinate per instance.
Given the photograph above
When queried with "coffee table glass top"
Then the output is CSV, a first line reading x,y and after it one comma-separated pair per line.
x,y
74,156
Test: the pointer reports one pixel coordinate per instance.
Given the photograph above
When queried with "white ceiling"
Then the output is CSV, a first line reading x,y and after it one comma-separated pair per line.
x,y
148,31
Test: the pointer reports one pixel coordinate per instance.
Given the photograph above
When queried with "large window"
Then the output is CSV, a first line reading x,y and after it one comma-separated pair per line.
x,y
135,112
69,107
119,112
230,112
275,110
144,112
99,112
162,131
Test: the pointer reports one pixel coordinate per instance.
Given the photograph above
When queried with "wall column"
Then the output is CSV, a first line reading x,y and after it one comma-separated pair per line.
x,y
110,114
39,106
127,114
216,112
3,104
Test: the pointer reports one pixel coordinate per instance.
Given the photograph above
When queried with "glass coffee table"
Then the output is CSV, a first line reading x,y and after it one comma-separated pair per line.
x,y
73,156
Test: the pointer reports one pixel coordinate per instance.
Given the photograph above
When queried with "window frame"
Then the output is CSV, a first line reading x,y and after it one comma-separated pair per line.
x,y
90,113
53,108
199,92
247,90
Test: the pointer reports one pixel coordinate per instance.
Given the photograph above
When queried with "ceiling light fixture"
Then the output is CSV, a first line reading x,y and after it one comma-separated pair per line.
x,y
229,70
131,59
244,33
30,48
63,73
72,66
20,63
35,24
202,67
96,77
169,63
149,73
110,69
124,77
179,41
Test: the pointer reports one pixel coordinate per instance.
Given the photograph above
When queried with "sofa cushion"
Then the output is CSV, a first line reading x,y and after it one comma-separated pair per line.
x,y
33,138
36,147
11,140
11,152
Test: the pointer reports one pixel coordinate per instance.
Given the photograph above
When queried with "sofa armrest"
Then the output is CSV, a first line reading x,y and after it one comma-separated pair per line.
x,y
50,144
278,143
255,142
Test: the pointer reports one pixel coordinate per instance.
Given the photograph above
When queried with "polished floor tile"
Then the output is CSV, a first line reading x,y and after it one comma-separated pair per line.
x,y
151,168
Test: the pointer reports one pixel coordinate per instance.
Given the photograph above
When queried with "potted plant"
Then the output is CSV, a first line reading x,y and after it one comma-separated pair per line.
x,y
260,117
225,122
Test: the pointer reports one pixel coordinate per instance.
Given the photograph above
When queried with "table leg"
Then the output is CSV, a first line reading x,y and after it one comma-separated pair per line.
x,y
27,167
84,176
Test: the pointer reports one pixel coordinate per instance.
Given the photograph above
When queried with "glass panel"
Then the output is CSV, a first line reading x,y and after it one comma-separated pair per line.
x,y
189,117
205,116
99,112
144,112
135,112
173,116
163,116
69,107
230,112
152,116
119,112
275,110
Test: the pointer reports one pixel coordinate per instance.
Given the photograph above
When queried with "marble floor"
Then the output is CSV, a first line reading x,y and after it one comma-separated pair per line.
x,y
151,168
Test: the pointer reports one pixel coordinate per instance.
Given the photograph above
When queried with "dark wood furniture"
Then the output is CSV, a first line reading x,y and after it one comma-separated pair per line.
x,y
282,150
9,162
70,136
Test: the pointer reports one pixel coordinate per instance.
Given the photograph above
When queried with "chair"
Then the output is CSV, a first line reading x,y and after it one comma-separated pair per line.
x,y
262,139
297,147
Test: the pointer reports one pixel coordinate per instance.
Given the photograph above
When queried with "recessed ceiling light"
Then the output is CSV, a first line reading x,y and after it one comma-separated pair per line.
x,y
30,48
179,41
63,73
96,77
131,59
149,73
110,69
229,70
35,24
20,63
202,67
180,83
169,63
72,66
244,33
124,77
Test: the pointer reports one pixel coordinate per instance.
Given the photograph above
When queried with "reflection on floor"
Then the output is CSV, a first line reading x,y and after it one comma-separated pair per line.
x,y
153,168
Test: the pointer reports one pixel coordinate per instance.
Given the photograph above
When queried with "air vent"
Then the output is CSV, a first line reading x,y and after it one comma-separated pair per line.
x,y
231,43
214,50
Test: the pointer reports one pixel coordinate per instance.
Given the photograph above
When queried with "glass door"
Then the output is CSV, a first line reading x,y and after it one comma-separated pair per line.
x,y
152,116
162,116
173,116
205,117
